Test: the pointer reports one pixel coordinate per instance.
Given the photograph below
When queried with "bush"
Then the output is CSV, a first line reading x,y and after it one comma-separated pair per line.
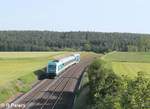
x,y
137,94
105,86
110,91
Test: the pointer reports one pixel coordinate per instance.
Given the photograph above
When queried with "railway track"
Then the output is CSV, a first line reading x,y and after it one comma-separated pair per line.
x,y
43,86
61,91
44,98
49,97
59,88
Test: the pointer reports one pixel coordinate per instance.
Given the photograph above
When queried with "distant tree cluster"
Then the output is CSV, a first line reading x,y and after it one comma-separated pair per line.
x,y
110,91
87,41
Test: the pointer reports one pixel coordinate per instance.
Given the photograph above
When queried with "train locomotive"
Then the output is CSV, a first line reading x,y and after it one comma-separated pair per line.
x,y
55,67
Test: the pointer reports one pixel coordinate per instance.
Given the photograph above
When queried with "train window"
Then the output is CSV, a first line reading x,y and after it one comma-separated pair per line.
x,y
52,67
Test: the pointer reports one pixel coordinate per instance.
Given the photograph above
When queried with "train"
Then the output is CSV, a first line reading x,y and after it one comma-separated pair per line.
x,y
55,67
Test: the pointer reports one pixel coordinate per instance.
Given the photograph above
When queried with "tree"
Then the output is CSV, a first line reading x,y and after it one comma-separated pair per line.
x,y
137,94
87,47
89,41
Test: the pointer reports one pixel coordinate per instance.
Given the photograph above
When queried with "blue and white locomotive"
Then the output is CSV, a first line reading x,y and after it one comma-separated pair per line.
x,y
55,67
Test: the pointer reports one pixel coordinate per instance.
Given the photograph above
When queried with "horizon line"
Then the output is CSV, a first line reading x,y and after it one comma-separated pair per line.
x,y
17,30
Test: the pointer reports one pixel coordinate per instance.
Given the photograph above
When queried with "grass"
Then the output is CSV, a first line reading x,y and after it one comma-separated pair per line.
x,y
17,70
16,64
130,69
82,97
129,63
142,57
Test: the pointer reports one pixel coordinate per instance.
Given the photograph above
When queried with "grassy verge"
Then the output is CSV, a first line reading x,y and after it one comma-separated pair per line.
x,y
22,85
82,95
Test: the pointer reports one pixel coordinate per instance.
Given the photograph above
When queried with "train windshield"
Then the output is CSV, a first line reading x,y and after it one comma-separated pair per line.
x,y
52,67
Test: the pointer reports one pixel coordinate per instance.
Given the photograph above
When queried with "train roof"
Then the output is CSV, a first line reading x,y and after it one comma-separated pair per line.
x,y
76,54
53,61
66,59
63,60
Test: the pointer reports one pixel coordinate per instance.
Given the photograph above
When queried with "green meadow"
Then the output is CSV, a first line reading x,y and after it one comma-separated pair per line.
x,y
17,70
16,64
129,63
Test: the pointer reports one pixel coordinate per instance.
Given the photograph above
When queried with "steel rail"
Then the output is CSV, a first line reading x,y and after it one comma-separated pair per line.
x,y
61,91
70,74
31,97
61,94
57,82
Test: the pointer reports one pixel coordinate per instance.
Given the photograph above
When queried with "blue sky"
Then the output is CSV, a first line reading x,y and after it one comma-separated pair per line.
x,y
75,15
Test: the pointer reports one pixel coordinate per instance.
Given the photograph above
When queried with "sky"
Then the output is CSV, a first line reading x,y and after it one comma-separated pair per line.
x,y
76,15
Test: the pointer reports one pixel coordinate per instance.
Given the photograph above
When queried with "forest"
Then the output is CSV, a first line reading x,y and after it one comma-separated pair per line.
x,y
74,41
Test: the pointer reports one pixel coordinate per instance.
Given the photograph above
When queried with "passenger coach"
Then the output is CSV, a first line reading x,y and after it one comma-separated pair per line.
x,y
55,67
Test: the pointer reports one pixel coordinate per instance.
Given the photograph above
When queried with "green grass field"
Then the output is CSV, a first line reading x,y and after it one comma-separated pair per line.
x,y
128,57
17,70
16,64
129,63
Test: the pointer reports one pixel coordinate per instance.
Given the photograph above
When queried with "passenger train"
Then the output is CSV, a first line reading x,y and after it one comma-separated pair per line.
x,y
55,67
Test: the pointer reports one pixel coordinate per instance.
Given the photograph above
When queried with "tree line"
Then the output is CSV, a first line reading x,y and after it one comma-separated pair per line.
x,y
87,41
